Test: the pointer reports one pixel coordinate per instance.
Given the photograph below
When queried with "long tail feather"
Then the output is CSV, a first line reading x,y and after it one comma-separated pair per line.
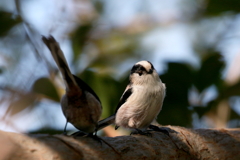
x,y
60,60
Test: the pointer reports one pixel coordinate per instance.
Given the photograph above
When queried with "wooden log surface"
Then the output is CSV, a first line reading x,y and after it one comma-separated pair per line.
x,y
182,143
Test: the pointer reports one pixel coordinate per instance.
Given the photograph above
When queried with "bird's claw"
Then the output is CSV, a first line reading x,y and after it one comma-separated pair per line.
x,y
159,129
145,133
95,137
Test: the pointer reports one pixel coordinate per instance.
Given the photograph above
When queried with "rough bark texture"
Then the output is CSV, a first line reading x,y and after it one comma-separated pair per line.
x,y
181,144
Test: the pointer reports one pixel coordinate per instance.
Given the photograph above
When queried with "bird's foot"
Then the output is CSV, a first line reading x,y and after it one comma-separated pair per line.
x,y
145,133
95,137
83,134
65,133
159,129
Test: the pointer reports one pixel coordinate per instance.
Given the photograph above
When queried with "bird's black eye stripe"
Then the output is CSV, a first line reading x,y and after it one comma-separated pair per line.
x,y
137,67
150,71
142,68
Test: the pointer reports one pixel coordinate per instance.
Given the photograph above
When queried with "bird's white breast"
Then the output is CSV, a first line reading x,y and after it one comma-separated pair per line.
x,y
142,107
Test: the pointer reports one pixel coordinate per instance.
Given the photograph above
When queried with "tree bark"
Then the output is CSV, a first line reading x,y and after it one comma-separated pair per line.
x,y
181,143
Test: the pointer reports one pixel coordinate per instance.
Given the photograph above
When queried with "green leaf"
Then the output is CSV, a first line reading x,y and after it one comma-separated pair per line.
x,y
7,22
2,69
210,71
175,114
229,91
79,39
99,6
216,7
234,115
202,110
178,79
45,87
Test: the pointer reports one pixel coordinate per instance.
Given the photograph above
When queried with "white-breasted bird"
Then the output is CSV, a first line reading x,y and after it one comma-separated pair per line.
x,y
141,101
80,104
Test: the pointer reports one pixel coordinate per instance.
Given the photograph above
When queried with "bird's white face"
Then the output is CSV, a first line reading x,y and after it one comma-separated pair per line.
x,y
147,65
143,72
142,68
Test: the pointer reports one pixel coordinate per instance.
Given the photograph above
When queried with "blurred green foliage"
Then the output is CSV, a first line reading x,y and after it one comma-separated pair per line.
x,y
116,46
212,64
180,78
7,22
79,39
45,87
215,7
109,89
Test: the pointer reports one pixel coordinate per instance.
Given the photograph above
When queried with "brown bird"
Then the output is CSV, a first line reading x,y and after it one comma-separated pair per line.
x,y
80,105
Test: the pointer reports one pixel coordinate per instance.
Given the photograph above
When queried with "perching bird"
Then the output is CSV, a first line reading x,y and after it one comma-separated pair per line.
x,y
80,104
141,101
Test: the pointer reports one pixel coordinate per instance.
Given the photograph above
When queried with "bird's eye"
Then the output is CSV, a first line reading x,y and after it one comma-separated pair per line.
x,y
150,71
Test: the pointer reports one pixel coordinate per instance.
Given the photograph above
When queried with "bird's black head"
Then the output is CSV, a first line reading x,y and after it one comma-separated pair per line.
x,y
142,67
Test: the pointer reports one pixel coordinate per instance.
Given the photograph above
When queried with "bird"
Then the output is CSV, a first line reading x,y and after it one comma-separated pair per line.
x,y
80,104
141,101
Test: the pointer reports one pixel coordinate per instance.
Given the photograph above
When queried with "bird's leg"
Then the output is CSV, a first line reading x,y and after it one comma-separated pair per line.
x,y
159,129
64,131
95,131
83,134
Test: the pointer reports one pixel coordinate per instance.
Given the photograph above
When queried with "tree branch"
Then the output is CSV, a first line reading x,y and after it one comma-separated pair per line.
x,y
181,144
